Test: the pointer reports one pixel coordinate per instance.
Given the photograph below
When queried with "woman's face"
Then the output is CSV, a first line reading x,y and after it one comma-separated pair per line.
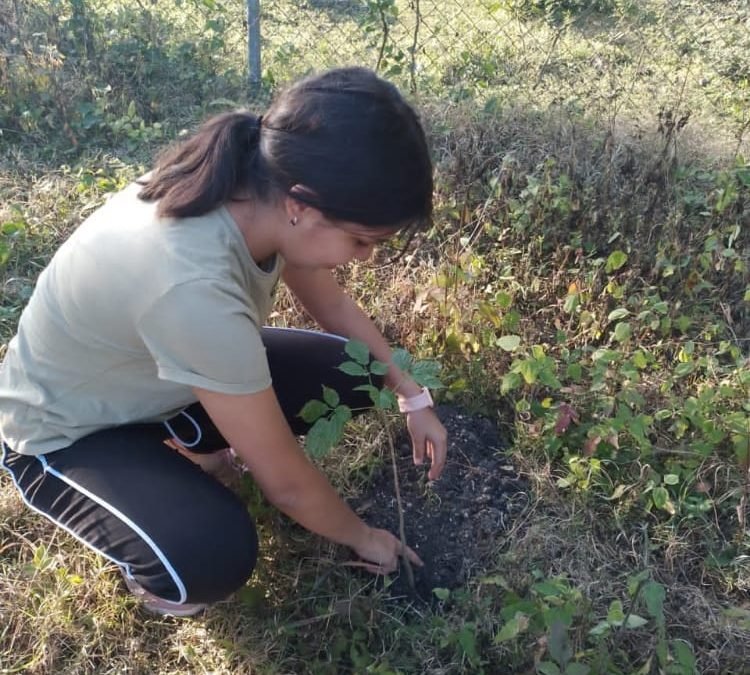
x,y
317,241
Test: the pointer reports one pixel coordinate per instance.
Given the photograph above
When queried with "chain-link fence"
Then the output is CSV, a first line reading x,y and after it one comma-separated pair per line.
x,y
651,62
645,63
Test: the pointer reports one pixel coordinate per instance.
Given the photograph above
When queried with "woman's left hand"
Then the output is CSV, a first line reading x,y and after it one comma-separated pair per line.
x,y
429,438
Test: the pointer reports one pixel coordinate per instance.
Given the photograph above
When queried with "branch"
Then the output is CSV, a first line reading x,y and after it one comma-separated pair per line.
x,y
399,504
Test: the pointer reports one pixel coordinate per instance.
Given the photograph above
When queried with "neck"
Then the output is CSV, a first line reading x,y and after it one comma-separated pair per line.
x,y
259,224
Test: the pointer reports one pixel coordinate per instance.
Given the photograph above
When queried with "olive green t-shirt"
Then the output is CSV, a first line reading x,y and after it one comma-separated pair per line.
x,y
131,313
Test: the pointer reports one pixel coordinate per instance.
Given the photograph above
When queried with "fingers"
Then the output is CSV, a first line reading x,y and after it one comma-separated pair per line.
x,y
382,558
376,569
437,451
412,556
418,450
429,438
383,569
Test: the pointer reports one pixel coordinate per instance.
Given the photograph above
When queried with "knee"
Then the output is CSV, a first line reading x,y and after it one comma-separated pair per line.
x,y
229,551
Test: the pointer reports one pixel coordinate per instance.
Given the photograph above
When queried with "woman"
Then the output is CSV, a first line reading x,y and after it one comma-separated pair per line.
x,y
145,333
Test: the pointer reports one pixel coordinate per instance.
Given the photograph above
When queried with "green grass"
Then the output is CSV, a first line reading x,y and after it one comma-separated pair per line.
x,y
588,252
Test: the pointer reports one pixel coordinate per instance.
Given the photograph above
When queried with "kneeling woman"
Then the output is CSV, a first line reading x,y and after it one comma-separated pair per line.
x,y
147,326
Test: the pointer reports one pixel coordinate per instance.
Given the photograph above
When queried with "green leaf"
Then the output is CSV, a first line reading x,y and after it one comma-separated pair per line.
x,y
503,299
548,589
663,502
577,669
574,371
467,638
312,410
547,378
509,343
671,479
528,371
330,396
615,615
616,260
635,621
601,628
572,302
513,628
605,355
425,374
684,369
639,360
340,417
319,440
12,227
510,382
660,496
378,368
359,351
619,313
654,595
441,593
371,390
386,400
683,654
622,331
547,668
351,368
562,614
401,358
558,643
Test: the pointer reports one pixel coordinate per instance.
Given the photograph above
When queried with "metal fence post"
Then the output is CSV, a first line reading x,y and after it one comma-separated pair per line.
x,y
253,46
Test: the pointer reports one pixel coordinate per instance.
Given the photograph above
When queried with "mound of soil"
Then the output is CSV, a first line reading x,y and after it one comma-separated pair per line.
x,y
455,522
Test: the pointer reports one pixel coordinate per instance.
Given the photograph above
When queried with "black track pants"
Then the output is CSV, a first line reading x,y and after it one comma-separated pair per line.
x,y
176,530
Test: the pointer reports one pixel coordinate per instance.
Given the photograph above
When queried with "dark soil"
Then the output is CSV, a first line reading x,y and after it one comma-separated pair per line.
x,y
453,523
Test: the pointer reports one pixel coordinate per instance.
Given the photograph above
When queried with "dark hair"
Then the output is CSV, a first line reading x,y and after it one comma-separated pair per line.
x,y
346,135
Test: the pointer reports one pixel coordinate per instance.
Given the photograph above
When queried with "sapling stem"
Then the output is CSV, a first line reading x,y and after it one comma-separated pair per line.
x,y
399,504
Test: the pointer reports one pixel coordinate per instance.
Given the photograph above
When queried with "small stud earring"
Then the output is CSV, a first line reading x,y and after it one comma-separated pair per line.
x,y
293,221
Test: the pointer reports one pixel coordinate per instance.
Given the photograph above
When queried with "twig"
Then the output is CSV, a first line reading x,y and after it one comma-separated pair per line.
x,y
551,51
413,65
399,504
384,20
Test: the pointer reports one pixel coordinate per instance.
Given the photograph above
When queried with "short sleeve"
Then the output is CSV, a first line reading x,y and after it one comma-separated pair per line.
x,y
203,334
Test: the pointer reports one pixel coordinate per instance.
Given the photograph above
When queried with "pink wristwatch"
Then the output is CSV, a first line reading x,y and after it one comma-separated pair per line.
x,y
419,402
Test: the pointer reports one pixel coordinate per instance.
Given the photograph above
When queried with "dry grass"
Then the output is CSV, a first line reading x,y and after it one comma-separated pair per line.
x,y
62,610
68,613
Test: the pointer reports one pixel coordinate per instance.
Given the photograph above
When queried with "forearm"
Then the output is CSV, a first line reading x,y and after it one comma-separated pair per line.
x,y
316,506
254,426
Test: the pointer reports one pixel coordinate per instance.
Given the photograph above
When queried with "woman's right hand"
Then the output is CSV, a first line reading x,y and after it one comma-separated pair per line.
x,y
380,550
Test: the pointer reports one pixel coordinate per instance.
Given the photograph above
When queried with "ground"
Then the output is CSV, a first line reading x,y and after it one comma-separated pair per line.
x,y
451,522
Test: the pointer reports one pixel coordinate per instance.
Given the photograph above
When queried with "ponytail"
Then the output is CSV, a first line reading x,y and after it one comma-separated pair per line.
x,y
206,170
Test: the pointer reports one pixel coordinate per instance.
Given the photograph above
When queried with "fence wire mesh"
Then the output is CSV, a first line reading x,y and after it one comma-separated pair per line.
x,y
652,62
611,59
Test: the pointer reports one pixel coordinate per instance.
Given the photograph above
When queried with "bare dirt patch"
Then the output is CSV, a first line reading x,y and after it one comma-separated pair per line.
x,y
454,523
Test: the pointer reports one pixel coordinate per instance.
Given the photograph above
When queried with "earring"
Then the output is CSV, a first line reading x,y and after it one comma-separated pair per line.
x,y
293,221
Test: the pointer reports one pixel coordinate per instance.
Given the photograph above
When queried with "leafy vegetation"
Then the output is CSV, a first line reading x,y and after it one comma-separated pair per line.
x,y
586,284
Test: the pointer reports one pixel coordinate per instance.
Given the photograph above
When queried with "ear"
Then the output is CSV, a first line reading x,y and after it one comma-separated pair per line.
x,y
298,209
294,208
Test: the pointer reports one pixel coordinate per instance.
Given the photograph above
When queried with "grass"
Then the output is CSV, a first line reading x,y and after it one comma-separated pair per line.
x,y
589,264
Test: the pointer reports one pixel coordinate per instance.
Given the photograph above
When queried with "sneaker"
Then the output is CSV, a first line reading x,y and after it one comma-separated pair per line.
x,y
156,605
